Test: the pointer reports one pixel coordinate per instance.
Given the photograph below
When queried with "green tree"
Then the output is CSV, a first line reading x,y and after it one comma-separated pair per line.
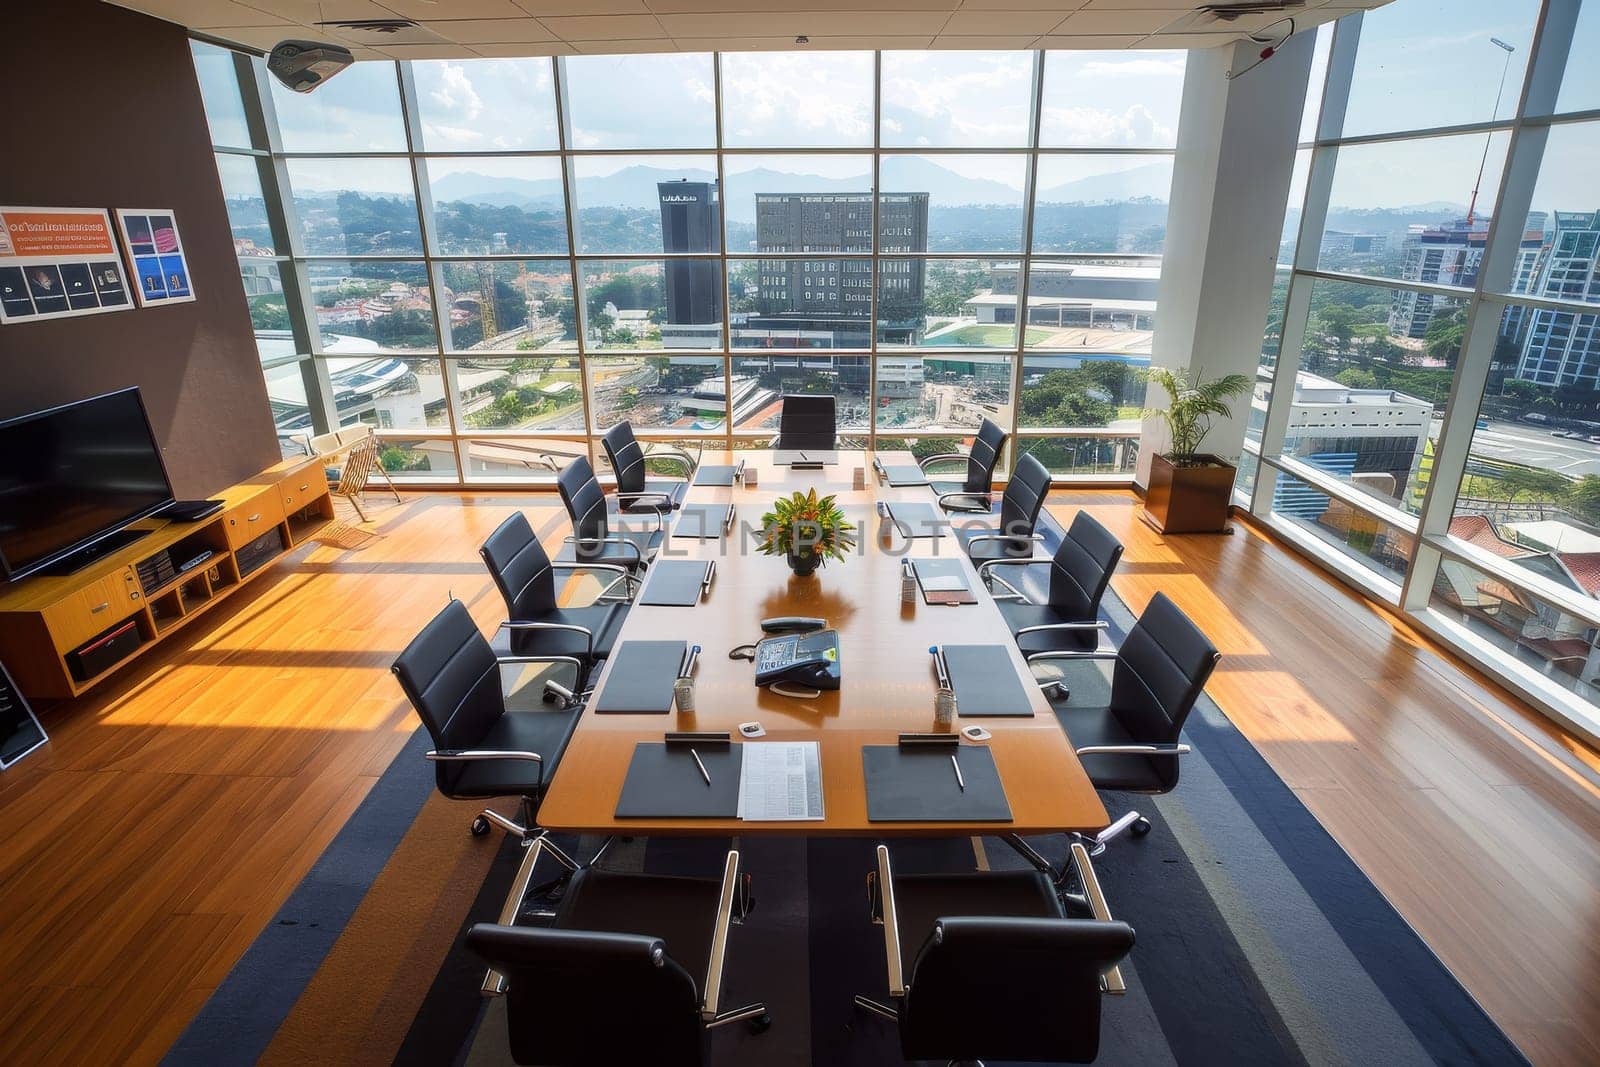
x,y
1444,334
1356,378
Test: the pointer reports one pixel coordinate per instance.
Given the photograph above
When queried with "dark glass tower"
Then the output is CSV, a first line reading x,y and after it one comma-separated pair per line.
x,y
691,222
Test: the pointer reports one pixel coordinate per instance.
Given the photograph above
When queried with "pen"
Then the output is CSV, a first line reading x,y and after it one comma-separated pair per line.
x,y
707,776
688,668
960,781
939,666
683,662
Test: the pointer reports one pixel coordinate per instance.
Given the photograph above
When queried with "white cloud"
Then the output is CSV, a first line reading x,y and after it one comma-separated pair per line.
x,y
1134,68
454,92
1093,127
456,135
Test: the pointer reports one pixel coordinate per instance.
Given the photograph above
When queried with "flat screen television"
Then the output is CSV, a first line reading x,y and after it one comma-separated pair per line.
x,y
73,478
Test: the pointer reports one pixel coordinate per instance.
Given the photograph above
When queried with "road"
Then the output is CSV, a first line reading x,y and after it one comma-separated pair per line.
x,y
1513,442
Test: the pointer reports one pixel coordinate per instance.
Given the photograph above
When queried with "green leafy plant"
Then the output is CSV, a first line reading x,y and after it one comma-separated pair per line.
x,y
1191,407
805,525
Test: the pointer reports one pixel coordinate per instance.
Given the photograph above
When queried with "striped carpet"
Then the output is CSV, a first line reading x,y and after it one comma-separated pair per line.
x,y
1259,941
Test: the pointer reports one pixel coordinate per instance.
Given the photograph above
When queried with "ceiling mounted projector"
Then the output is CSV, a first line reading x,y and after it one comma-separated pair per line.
x,y
304,65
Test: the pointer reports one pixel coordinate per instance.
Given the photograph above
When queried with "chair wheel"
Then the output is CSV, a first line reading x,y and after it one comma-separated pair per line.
x,y
480,826
1140,827
760,1024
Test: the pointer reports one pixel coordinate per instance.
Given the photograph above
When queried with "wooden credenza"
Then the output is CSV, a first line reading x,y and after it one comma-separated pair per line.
x,y
46,621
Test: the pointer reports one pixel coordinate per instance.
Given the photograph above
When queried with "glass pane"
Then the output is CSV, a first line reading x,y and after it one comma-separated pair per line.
x,y
761,381
1111,99
1427,63
1103,309
903,307
488,206
418,460
1367,403
1289,239
247,207
646,204
475,105
797,99
801,303
1101,203
357,111
956,99
1580,85
525,460
964,304
942,393
355,207
653,304
952,203
389,393
1376,545
607,109
1564,210
798,203
269,314
922,446
372,306
531,309
681,393
518,394
1078,456
1316,83
219,92
1413,209
1065,392
1535,632
286,395
1271,343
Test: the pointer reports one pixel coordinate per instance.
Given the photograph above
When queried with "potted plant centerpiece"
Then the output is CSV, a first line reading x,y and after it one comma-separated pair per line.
x,y
1189,490
808,529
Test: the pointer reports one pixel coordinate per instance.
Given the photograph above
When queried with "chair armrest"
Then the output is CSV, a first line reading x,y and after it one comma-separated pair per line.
x,y
464,755
1011,591
675,454
588,634
1133,750
891,924
942,457
577,542
711,990
494,983
944,499
1102,653
1035,538
1062,626
665,499
621,573
1112,979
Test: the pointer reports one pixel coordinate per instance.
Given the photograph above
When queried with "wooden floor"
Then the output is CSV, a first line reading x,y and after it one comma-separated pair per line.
x,y
176,809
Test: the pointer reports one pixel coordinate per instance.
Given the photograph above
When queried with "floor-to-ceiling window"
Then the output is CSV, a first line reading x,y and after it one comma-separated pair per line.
x,y
1427,412
493,260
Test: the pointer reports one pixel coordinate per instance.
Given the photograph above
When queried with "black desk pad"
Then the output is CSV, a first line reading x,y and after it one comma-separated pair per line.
x,y
640,679
986,682
901,475
916,519
703,521
675,583
664,783
715,474
930,567
919,784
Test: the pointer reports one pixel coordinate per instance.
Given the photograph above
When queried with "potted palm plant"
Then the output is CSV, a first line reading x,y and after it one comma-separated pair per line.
x,y
808,529
1189,490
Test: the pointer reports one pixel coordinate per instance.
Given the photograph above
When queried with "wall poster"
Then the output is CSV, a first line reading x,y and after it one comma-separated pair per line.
x,y
159,268
58,261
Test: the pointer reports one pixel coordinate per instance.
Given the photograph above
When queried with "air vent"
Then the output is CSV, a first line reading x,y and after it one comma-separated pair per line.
x,y
1229,12
374,25
380,33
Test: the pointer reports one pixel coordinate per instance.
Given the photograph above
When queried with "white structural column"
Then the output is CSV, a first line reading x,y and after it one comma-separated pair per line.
x,y
1230,182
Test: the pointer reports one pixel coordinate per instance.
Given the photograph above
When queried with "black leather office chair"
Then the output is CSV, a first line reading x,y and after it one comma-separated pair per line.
x,y
972,493
635,490
1069,617
482,749
1126,732
536,625
1013,536
999,969
593,540
808,420
630,972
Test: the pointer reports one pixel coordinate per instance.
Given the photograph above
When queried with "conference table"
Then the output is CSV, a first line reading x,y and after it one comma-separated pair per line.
x,y
888,678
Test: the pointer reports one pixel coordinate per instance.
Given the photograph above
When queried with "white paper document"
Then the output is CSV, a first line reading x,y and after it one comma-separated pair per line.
x,y
780,781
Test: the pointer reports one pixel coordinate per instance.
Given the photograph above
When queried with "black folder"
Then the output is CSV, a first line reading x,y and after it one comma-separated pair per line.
x,y
901,475
918,784
916,519
664,782
715,474
676,583
986,681
704,521
640,678
948,573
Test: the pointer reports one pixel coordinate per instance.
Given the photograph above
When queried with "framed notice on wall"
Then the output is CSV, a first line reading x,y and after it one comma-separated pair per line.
x,y
156,262
58,261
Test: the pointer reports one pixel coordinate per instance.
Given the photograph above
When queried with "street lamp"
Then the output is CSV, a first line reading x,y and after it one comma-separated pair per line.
x,y
1488,137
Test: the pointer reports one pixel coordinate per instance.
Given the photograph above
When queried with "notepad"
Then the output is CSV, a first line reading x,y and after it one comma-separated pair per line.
x,y
943,581
665,782
677,583
916,519
639,680
704,521
901,475
986,682
919,784
781,781
717,474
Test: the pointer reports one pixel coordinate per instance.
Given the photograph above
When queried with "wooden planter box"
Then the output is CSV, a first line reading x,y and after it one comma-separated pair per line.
x,y
1189,499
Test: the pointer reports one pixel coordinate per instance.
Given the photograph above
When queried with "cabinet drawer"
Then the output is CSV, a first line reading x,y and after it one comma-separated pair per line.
x,y
298,490
76,618
256,516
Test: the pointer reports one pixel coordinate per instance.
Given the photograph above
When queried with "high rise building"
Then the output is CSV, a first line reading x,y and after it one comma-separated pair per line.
x,y
1563,347
691,222
1450,255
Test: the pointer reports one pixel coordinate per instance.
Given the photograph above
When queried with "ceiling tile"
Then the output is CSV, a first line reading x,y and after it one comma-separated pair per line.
x,y
786,44
311,12
603,27
1060,7
590,7
1117,21
1189,40
202,14
999,23
1203,22
264,38
837,24
691,7
997,43
490,31
623,48
1146,5
524,49
1091,40
455,9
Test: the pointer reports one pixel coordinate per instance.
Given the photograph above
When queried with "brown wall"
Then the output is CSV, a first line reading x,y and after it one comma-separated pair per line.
x,y
105,112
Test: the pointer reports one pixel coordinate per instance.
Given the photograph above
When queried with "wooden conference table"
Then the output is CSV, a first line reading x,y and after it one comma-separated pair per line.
x,y
888,677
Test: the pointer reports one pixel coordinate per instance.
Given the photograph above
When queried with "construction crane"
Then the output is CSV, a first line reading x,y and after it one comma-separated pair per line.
x,y
486,298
